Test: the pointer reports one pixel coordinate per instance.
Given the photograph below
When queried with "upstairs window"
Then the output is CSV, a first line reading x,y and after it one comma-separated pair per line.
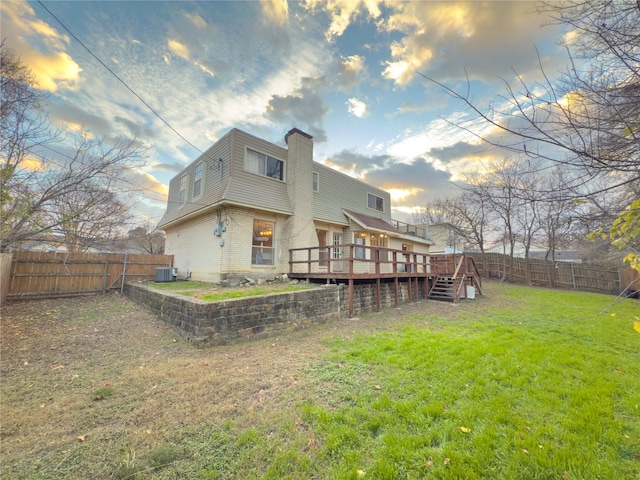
x,y
375,202
183,189
316,182
262,164
197,180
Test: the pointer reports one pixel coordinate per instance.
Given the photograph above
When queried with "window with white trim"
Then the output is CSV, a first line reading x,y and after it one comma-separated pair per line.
x,y
262,248
197,180
316,182
375,202
261,164
183,190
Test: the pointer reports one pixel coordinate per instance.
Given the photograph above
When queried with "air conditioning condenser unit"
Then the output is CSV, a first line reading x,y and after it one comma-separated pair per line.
x,y
166,275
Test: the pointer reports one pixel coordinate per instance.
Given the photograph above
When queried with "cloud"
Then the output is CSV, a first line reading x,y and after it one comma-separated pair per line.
x,y
179,49
143,185
417,183
276,11
135,129
54,71
443,39
40,46
32,164
196,19
304,106
356,164
356,107
62,112
351,71
22,21
415,143
172,167
343,12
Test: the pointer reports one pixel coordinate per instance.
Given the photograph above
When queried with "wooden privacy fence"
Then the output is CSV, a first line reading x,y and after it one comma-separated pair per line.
x,y
52,274
575,276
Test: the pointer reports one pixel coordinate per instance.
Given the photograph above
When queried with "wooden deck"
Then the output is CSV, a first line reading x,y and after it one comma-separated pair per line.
x,y
351,264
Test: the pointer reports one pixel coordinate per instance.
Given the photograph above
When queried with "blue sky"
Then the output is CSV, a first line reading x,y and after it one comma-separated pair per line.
x,y
347,72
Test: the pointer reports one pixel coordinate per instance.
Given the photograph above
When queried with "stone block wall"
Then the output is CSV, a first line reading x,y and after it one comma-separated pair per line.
x,y
364,296
228,321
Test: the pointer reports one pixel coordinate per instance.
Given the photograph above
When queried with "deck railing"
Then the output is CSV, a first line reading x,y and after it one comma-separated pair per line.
x,y
352,262
417,230
358,260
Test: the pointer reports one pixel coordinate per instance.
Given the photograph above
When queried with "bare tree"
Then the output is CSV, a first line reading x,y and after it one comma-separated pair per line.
x,y
86,216
42,176
435,212
148,239
557,218
589,120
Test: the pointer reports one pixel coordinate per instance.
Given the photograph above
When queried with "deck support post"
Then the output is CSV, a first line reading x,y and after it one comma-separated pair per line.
x,y
395,281
350,297
378,303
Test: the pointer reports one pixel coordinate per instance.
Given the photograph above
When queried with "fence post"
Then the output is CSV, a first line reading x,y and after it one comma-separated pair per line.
x,y
622,289
573,277
124,273
105,277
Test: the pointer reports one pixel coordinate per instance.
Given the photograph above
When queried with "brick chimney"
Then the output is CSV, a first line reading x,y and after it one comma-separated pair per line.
x,y
300,228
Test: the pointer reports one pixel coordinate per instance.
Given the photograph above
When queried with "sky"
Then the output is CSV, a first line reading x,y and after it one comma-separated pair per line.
x,y
350,73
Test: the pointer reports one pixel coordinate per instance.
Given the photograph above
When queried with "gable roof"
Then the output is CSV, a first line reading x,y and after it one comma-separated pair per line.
x,y
371,223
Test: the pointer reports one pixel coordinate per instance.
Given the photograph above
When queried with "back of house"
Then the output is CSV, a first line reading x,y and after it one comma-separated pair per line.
x,y
239,208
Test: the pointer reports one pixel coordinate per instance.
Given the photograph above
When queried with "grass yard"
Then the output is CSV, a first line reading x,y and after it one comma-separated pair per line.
x,y
523,383
210,292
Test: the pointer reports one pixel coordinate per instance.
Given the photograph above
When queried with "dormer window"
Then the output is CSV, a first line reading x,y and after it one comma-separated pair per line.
x,y
262,164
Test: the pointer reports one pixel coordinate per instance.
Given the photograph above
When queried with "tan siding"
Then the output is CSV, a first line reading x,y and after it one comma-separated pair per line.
x,y
256,190
215,176
338,191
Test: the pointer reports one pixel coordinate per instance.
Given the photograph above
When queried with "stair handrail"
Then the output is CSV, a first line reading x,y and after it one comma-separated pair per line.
x,y
476,275
435,282
459,289
460,262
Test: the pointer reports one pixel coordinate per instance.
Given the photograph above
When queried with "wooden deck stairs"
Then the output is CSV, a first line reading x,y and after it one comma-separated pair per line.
x,y
443,289
452,287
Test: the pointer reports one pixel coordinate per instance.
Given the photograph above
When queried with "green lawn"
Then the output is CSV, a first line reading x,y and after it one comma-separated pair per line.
x,y
209,292
543,387
523,383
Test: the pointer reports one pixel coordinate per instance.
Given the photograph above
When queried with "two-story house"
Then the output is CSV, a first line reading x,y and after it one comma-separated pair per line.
x,y
238,209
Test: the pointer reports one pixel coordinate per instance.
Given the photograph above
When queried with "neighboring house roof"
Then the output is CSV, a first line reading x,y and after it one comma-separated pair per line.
x,y
560,256
378,224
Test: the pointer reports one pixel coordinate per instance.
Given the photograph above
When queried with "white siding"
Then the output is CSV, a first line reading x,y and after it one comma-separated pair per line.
x,y
195,248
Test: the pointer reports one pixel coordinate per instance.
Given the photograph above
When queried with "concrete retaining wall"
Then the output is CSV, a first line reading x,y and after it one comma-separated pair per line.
x,y
219,323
